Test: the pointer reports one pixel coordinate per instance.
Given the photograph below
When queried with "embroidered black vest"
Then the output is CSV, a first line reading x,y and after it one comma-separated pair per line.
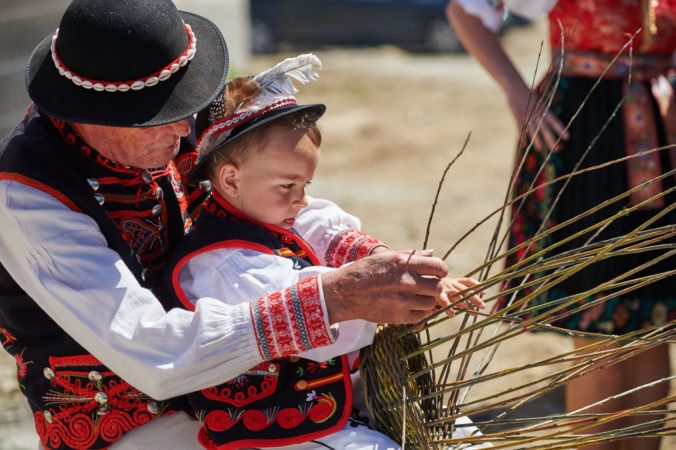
x,y
280,402
77,402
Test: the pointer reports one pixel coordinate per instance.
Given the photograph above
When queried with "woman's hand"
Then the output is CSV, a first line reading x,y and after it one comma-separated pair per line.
x,y
527,109
485,46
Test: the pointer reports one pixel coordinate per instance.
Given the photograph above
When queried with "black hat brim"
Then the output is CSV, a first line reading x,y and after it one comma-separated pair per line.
x,y
198,173
185,93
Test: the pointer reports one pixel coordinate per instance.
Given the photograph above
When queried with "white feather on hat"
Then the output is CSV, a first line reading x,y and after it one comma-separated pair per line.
x,y
246,99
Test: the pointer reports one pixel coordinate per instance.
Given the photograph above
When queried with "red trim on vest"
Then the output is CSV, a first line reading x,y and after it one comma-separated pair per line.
x,y
40,187
234,243
285,234
87,403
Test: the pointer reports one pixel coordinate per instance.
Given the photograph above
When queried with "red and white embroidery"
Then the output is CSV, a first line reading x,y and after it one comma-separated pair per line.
x,y
349,246
86,403
219,131
291,321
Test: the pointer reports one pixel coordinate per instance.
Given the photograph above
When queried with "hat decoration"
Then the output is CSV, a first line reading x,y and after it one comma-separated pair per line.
x,y
124,86
247,99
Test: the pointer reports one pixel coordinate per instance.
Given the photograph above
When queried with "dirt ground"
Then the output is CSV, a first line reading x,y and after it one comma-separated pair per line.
x,y
393,122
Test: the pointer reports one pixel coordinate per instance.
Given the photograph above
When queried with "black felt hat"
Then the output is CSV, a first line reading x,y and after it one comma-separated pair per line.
x,y
127,63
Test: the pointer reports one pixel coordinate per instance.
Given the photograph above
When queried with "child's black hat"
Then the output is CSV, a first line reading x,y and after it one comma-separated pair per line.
x,y
219,125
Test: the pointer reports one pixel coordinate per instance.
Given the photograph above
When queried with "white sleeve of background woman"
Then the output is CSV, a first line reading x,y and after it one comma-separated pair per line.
x,y
491,13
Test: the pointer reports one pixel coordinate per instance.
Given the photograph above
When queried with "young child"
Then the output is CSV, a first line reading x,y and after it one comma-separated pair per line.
x,y
291,379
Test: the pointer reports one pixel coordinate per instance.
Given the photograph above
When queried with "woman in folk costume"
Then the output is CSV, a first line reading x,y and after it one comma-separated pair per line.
x,y
259,149
585,36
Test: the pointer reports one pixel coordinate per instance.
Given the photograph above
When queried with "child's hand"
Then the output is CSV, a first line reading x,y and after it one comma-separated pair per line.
x,y
455,289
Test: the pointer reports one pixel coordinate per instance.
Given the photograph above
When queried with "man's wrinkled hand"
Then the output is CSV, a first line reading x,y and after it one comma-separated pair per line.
x,y
396,287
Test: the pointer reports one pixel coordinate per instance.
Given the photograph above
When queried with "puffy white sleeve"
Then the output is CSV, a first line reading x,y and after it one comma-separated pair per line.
x,y
334,234
241,277
321,221
491,13
490,16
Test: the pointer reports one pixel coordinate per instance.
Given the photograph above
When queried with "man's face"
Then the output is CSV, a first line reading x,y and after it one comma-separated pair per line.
x,y
142,148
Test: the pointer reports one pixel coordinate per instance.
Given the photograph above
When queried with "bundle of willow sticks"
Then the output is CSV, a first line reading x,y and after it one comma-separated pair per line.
x,y
417,379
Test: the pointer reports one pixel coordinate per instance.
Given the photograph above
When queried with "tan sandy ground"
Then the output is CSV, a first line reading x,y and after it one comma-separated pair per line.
x,y
394,120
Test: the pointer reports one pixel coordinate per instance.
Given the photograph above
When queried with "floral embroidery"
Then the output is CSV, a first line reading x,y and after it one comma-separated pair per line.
x,y
21,365
602,28
315,367
324,408
135,201
613,316
7,338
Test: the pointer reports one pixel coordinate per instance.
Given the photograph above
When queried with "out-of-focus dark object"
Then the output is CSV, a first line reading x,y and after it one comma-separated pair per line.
x,y
412,24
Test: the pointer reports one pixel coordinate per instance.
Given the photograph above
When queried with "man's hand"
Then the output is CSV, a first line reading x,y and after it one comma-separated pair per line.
x,y
387,287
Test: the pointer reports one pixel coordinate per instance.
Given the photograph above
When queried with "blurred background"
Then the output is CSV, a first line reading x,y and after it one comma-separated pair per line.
x,y
251,27
401,98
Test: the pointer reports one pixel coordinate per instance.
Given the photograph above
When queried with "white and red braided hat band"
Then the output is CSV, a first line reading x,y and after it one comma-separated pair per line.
x,y
219,132
123,86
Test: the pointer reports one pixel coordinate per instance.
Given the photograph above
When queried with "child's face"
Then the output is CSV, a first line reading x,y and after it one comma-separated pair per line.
x,y
272,181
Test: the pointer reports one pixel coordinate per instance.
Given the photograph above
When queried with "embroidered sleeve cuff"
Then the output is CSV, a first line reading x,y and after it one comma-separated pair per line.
x,y
350,246
291,321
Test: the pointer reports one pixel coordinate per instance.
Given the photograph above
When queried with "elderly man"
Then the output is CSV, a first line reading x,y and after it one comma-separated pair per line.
x,y
93,198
